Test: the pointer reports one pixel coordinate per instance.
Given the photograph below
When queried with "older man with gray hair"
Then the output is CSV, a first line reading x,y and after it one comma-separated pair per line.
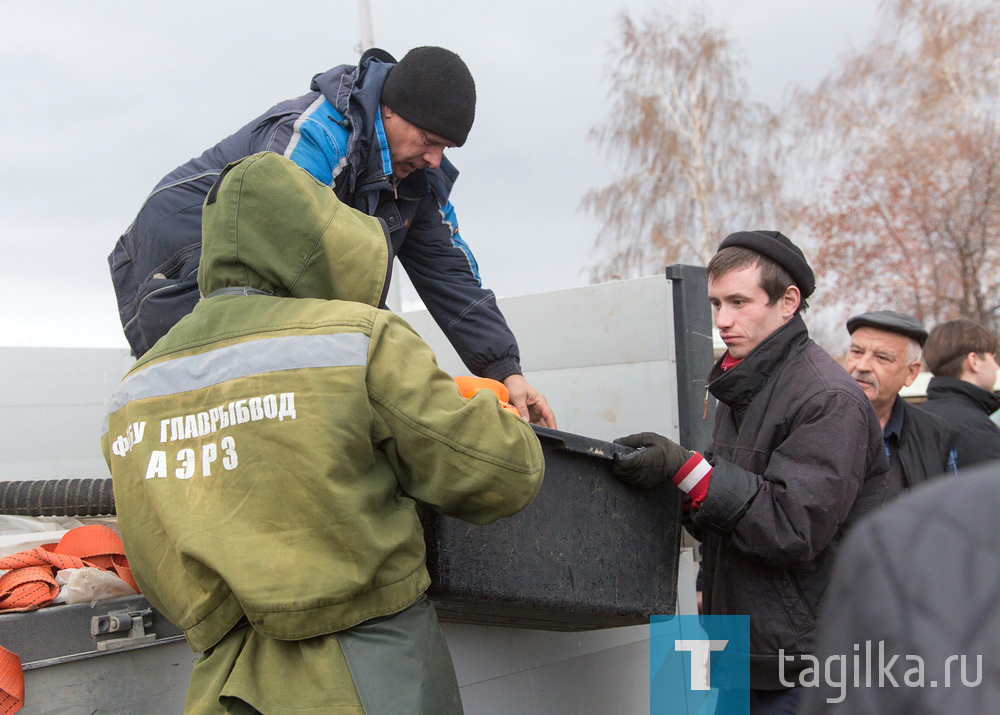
x,y
884,357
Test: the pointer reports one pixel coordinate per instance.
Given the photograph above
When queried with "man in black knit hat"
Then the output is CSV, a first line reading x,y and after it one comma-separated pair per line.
x,y
375,133
796,457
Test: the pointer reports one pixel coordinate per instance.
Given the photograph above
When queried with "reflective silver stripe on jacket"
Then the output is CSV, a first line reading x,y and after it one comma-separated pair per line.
x,y
242,360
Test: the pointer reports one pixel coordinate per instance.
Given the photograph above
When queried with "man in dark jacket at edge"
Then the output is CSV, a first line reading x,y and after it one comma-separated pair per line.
x,y
962,355
796,458
884,356
376,134
910,621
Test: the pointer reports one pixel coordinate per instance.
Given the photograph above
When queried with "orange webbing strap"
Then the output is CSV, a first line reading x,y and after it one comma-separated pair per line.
x,y
100,547
30,584
11,683
28,588
30,579
469,386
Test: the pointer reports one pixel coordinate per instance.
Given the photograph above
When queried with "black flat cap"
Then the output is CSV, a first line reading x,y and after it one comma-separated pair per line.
x,y
779,249
892,321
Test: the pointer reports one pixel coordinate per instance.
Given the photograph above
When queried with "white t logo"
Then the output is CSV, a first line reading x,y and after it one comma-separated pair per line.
x,y
701,666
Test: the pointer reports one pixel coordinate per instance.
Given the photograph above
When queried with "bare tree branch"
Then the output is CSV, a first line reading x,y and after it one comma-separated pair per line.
x,y
698,158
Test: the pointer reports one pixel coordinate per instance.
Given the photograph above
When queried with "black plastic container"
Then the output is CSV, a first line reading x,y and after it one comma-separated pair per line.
x,y
589,552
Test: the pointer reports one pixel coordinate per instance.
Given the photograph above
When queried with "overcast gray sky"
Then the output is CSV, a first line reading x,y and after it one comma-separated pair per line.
x,y
104,97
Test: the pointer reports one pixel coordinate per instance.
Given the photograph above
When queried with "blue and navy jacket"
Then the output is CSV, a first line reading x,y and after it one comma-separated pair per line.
x,y
335,133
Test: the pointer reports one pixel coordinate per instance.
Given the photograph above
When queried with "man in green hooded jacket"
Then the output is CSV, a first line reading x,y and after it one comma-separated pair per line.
x,y
266,455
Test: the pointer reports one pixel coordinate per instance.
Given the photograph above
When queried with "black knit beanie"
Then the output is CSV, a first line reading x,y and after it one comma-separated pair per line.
x,y
779,249
433,89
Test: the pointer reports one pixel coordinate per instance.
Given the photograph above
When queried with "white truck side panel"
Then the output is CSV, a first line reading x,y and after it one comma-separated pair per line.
x,y
51,410
603,355
510,670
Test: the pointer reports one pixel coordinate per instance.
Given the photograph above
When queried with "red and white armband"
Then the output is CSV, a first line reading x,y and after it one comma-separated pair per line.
x,y
693,478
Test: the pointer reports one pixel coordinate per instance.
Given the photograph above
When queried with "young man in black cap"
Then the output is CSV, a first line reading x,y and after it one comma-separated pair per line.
x,y
796,457
962,354
884,357
376,134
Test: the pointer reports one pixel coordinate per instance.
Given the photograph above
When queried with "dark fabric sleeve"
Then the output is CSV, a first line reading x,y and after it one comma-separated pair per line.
x,y
792,512
916,582
444,272
862,605
979,442
154,266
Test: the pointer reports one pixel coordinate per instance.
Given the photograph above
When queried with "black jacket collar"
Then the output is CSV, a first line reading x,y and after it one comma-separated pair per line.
x,y
738,385
944,387
897,421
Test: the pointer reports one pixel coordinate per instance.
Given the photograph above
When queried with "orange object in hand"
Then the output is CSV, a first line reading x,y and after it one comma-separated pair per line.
x,y
469,386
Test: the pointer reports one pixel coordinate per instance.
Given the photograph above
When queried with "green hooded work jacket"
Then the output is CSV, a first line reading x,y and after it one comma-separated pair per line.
x,y
267,451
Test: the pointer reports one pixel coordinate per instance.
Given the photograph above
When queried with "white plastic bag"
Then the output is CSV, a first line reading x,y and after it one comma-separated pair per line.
x,y
12,524
89,585
20,533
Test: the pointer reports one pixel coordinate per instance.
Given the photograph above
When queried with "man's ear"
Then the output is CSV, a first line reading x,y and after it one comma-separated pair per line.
x,y
970,365
912,373
790,301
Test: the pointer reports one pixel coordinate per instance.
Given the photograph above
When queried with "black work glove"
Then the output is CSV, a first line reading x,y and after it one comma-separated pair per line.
x,y
657,460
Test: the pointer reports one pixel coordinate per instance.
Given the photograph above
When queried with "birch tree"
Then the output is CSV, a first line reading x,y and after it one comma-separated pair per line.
x,y
912,123
697,158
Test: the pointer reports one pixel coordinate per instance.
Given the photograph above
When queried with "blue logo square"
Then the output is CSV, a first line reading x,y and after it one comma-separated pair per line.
x,y
699,664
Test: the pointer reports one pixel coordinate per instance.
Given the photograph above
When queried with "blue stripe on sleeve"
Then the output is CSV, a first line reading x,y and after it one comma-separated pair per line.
x,y
318,142
383,143
449,218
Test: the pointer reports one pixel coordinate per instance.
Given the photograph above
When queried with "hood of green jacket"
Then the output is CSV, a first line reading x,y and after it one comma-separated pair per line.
x,y
269,226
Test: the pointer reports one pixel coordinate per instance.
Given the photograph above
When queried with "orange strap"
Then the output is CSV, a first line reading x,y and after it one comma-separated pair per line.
x,y
27,588
30,584
100,547
30,579
11,683
469,386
